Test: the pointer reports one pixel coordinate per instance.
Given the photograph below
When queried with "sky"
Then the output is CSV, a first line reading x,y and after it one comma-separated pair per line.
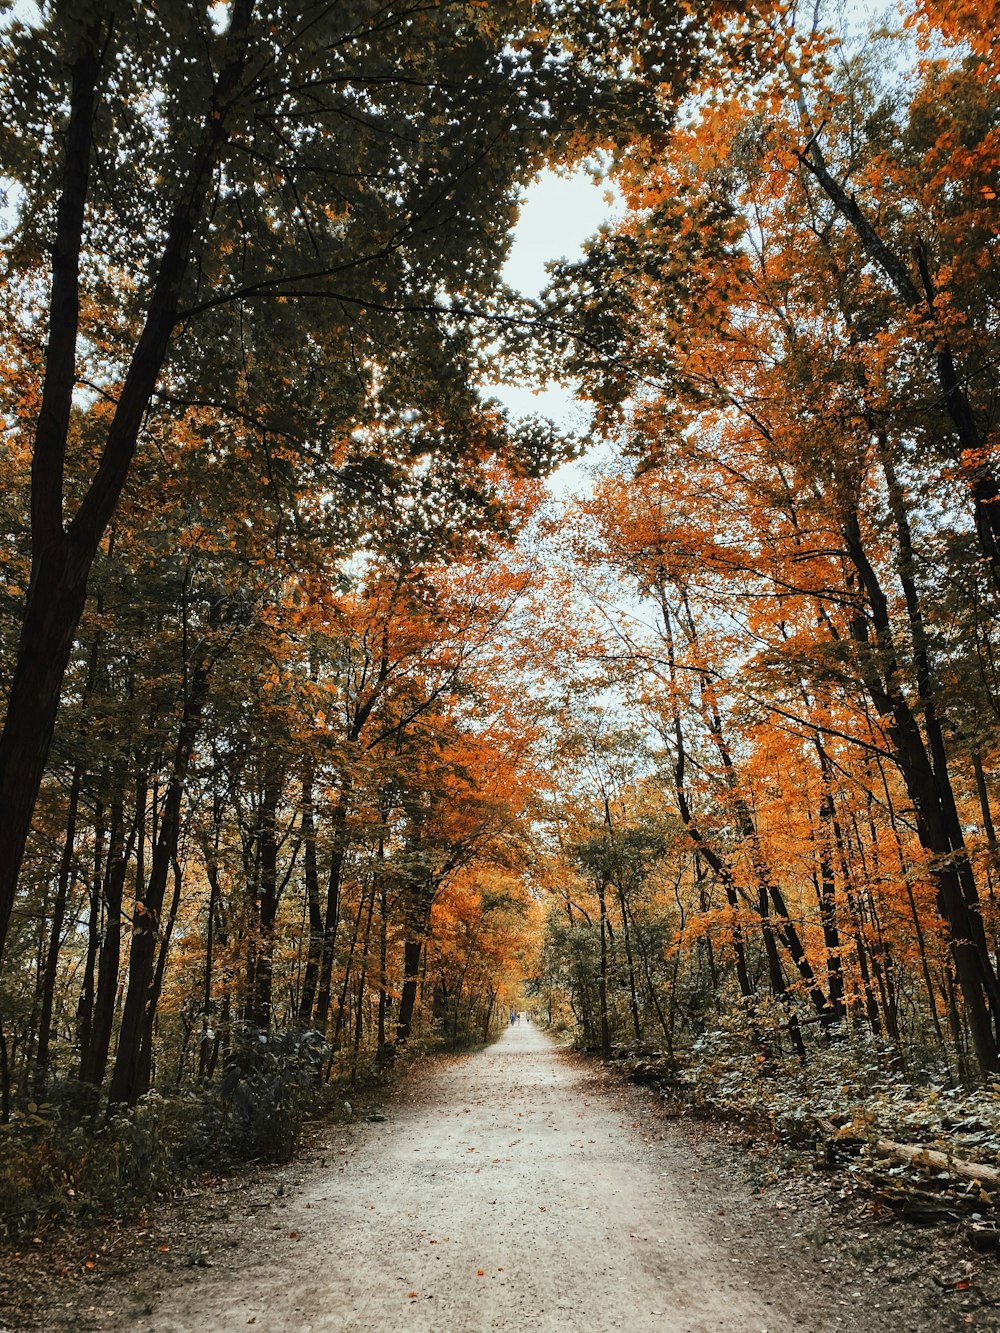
x,y
559,213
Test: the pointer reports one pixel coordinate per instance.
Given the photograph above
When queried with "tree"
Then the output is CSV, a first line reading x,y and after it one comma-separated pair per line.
x,y
350,172
805,391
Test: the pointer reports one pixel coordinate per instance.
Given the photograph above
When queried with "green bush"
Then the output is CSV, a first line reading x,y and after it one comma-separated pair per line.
x,y
268,1086
57,1163
51,1166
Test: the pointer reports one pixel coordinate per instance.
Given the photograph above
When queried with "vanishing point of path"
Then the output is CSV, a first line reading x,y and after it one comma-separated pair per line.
x,y
508,1189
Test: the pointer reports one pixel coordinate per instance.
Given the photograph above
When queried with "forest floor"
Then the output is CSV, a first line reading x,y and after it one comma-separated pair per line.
x,y
517,1188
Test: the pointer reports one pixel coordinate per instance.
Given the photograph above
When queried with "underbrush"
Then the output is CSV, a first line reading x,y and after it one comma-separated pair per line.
x,y
911,1143
855,1084
57,1163
850,1082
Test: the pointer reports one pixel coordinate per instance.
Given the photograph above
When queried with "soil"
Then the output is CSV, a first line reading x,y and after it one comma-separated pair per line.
x,y
516,1188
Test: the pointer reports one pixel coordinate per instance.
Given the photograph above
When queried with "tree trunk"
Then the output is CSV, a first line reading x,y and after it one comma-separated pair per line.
x,y
921,299
267,888
55,934
210,851
930,791
127,1083
776,976
828,904
342,1001
411,977
58,584
362,982
712,859
602,989
383,980
94,1053
156,986
61,554
986,814
4,1077
55,603
311,876
627,939
338,854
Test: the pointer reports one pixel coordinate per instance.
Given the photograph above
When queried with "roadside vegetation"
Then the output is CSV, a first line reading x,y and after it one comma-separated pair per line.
x,y
331,735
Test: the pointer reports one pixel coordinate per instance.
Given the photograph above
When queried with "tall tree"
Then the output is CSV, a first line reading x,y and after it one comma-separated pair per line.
x,y
352,172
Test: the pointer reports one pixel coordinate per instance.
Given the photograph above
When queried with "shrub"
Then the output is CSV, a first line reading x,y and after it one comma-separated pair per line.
x,y
52,1166
56,1163
268,1086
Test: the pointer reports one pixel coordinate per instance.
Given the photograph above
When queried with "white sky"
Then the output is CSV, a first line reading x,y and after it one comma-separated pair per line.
x,y
560,213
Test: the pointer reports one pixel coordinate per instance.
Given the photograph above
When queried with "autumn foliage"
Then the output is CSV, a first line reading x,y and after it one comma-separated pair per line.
x,y
795,559
329,731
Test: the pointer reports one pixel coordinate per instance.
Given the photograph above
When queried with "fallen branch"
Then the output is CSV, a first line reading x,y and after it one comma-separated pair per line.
x,y
914,1154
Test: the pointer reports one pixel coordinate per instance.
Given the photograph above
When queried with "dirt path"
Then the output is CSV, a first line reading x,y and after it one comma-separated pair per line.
x,y
507,1190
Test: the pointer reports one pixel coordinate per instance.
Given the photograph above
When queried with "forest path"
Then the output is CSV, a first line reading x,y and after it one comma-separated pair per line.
x,y
507,1189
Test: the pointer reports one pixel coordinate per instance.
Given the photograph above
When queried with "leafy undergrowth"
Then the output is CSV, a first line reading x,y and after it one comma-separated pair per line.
x,y
57,1165
836,1109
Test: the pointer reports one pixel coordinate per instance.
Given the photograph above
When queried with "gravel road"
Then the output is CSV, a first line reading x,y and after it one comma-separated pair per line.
x,y
509,1190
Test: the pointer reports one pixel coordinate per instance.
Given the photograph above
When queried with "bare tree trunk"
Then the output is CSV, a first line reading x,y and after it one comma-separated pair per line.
x,y
210,851
828,903
362,981
602,988
55,934
311,876
411,976
383,980
4,1077
156,986
342,1001
340,845
94,1052
127,1083
627,939
929,787
267,887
